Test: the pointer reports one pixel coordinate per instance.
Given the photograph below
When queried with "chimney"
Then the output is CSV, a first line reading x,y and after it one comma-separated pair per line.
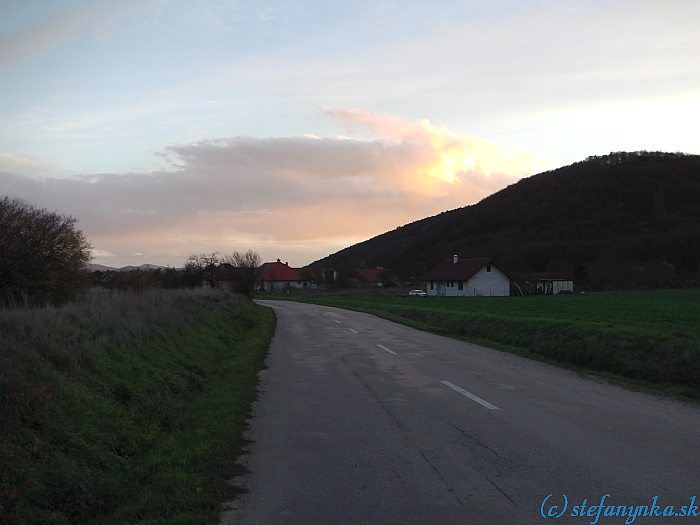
x,y
278,260
455,259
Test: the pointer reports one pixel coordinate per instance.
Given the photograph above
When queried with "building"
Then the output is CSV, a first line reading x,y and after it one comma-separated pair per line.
x,y
467,278
280,277
376,277
544,283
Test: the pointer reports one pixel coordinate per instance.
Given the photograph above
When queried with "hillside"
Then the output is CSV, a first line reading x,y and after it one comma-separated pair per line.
x,y
94,267
624,220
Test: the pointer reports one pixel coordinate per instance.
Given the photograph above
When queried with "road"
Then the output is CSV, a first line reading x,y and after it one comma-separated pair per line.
x,y
362,420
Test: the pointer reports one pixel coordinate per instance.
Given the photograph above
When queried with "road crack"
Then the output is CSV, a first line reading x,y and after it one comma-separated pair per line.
x,y
475,440
499,489
439,475
374,395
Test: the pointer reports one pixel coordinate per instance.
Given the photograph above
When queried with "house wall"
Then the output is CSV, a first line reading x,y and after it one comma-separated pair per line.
x,y
562,286
490,284
280,286
435,288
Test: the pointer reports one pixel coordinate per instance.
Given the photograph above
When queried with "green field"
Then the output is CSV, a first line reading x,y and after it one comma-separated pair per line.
x,y
126,408
650,338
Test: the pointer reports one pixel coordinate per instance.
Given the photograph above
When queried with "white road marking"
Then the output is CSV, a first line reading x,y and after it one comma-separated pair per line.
x,y
470,395
339,322
386,349
353,331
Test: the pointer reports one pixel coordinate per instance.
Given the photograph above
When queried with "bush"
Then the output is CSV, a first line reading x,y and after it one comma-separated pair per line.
x,y
42,255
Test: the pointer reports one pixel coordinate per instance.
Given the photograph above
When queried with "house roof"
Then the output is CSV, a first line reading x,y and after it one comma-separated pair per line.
x,y
307,273
279,271
462,270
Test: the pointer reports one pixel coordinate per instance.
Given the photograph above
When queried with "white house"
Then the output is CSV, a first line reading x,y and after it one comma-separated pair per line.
x,y
467,278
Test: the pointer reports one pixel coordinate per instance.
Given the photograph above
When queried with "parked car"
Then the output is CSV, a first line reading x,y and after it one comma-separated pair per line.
x,y
419,293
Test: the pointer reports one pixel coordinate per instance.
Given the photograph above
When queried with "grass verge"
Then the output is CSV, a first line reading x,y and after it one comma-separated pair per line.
x,y
126,408
649,339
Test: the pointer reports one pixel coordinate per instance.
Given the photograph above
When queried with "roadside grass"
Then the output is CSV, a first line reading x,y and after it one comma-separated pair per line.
x,y
126,408
649,339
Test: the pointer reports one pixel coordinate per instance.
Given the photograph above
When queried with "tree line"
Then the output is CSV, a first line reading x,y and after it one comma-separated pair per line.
x,y
43,258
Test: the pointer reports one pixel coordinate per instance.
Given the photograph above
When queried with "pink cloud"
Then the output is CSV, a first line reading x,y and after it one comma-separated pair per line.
x,y
306,196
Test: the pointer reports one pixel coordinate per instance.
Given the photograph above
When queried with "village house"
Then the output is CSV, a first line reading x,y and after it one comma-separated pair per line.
x,y
376,277
280,277
467,278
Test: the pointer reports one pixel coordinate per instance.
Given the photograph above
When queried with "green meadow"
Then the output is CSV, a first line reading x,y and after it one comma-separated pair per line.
x,y
126,408
650,338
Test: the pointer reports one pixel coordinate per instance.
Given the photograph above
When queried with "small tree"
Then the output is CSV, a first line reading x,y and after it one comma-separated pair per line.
x,y
42,254
245,267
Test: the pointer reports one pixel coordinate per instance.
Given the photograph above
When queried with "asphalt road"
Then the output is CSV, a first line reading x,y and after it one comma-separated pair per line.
x,y
362,420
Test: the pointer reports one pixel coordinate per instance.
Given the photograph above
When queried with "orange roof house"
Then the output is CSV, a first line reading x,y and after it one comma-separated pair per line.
x,y
278,276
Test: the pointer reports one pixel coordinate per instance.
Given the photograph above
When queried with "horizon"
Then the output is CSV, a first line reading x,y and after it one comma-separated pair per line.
x,y
297,130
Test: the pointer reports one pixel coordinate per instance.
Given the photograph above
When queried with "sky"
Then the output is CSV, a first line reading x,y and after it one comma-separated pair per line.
x,y
297,128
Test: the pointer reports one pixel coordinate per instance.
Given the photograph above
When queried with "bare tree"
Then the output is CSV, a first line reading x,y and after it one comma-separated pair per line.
x,y
245,266
202,268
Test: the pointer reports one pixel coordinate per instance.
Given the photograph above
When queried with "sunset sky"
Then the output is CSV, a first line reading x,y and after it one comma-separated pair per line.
x,y
297,128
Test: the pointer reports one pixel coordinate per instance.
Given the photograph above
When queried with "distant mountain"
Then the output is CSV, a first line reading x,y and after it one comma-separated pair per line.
x,y
142,267
624,220
93,267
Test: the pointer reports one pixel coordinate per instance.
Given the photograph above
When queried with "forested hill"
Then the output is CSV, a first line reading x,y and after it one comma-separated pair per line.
x,y
624,220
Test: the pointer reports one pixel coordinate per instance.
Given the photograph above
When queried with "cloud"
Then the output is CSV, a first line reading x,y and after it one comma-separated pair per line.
x,y
448,156
58,28
304,196
26,164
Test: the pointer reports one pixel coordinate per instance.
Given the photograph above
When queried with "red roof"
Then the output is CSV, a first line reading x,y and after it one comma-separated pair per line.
x,y
279,271
462,270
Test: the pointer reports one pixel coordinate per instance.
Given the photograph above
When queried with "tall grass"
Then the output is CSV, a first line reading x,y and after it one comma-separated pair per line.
x,y
125,408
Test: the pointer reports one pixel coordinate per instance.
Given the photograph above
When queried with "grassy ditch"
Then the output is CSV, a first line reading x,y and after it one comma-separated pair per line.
x,y
125,408
650,338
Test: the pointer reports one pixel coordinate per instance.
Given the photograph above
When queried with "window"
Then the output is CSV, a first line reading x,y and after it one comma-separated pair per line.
x,y
432,285
488,267
460,285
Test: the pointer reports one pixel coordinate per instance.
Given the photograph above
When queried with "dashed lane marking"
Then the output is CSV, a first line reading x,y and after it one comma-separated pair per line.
x,y
386,349
471,396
